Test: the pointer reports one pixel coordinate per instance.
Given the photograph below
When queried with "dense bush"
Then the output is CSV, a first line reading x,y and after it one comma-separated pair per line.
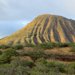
x,y
72,45
53,68
30,45
18,46
43,45
46,45
16,67
48,68
52,45
0,52
14,70
35,54
23,63
61,45
6,56
40,67
4,46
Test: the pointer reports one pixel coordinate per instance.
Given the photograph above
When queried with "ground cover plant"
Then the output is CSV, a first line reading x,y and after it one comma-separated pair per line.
x,y
36,61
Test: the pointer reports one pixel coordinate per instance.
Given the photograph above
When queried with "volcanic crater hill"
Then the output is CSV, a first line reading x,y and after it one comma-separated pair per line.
x,y
43,29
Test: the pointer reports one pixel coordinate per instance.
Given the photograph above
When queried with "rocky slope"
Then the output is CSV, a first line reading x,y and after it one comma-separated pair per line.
x,y
43,29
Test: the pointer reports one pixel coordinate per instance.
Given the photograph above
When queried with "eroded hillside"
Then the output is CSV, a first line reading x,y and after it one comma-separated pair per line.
x,y
43,29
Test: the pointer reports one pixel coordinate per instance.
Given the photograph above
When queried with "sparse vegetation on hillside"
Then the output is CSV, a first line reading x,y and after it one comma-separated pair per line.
x,y
36,61
40,67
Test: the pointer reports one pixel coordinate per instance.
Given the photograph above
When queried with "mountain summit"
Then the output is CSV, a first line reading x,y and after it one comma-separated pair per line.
x,y
43,29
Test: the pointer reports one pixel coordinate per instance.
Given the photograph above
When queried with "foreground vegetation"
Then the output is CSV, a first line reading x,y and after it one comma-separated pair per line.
x,y
15,60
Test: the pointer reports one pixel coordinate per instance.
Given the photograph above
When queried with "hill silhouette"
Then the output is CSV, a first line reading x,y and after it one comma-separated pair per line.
x,y
43,29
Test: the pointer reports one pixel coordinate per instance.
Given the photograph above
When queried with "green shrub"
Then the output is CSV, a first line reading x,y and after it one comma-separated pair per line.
x,y
71,68
20,62
0,52
60,67
35,54
52,45
61,45
30,45
4,46
6,56
12,69
10,52
42,67
45,45
18,46
72,44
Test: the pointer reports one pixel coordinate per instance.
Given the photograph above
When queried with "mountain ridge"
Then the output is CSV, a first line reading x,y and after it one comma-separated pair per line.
x,y
44,28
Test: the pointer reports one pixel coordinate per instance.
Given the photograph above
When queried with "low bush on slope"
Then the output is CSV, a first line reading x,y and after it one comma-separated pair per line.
x,y
5,57
39,67
40,64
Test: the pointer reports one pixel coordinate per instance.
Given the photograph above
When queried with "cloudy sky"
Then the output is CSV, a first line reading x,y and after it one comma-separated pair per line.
x,y
15,14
